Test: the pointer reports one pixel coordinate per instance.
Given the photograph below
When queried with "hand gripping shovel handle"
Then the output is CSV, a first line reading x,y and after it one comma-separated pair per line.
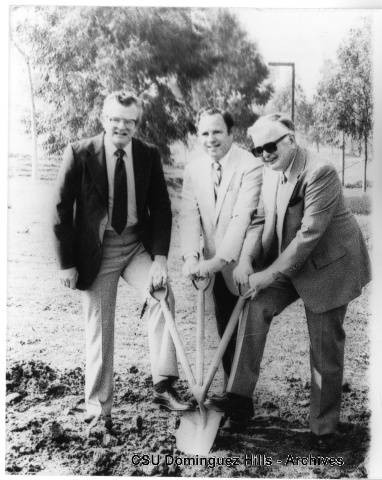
x,y
161,296
228,332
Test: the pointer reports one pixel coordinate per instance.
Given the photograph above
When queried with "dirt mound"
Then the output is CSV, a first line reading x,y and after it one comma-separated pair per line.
x,y
46,433
34,378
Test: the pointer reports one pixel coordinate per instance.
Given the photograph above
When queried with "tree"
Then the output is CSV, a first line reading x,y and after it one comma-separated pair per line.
x,y
281,101
344,95
82,53
239,79
33,115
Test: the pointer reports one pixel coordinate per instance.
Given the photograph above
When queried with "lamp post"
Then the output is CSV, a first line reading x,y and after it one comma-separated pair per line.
x,y
287,64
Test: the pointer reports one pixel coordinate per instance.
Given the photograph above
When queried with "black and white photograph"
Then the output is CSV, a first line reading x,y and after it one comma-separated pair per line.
x,y
192,241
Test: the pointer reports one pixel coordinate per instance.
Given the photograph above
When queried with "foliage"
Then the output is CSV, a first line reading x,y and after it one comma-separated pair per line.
x,y
281,101
344,96
83,53
79,54
240,78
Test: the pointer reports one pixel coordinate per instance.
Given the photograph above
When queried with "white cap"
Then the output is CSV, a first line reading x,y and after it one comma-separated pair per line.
x,y
266,130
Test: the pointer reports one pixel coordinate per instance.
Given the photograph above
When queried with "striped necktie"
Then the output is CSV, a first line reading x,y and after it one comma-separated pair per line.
x,y
217,176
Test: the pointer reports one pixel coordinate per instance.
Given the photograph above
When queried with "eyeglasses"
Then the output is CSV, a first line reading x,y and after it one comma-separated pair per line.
x,y
126,123
270,147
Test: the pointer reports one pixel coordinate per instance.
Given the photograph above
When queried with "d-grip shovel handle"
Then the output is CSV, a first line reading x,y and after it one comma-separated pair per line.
x,y
201,283
161,295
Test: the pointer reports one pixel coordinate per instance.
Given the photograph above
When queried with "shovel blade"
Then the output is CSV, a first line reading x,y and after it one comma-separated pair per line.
x,y
196,437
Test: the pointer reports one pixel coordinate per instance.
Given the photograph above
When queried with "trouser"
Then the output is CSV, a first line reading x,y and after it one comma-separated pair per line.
x,y
224,302
123,256
327,341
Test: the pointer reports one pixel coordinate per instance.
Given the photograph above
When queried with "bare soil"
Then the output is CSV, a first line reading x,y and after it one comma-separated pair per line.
x,y
45,432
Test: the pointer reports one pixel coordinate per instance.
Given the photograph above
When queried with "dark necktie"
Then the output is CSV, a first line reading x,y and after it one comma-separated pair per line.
x,y
119,216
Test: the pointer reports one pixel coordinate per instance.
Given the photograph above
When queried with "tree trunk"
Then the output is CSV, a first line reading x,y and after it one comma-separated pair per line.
x,y
343,159
33,114
364,186
33,125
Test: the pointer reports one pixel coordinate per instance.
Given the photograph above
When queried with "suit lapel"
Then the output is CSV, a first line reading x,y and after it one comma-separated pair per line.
x,y
286,191
269,191
96,163
228,172
140,171
206,187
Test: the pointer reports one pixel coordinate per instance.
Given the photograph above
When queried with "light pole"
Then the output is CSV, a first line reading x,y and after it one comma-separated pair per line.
x,y
287,64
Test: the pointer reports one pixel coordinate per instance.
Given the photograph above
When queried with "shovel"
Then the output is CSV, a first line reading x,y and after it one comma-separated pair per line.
x,y
197,430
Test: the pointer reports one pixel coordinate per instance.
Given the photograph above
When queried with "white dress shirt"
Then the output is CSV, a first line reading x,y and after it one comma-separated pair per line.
x,y
111,159
223,162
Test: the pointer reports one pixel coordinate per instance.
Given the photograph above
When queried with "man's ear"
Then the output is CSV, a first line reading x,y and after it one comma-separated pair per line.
x,y
292,140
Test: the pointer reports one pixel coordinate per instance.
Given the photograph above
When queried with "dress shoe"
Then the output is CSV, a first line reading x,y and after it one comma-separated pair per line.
x,y
235,406
235,425
325,443
169,399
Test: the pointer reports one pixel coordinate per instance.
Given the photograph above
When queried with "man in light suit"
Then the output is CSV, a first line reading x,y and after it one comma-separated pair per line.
x,y
113,219
220,193
313,249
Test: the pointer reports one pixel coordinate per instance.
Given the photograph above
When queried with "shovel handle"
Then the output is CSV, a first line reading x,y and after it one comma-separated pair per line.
x,y
201,285
230,328
200,326
177,342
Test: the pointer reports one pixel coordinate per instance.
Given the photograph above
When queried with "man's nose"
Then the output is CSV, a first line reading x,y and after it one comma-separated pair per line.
x,y
122,123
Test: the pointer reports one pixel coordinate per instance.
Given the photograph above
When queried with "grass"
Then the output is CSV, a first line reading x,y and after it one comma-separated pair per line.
x,y
359,203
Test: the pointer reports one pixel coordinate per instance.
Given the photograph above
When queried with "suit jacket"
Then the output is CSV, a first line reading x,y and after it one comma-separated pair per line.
x,y
81,205
219,229
321,247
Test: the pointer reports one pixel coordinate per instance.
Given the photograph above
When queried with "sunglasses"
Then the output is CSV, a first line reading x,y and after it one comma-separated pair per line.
x,y
270,147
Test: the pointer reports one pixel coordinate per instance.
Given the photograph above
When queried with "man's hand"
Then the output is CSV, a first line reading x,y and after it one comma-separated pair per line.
x,y
158,273
259,281
190,267
206,268
242,271
68,277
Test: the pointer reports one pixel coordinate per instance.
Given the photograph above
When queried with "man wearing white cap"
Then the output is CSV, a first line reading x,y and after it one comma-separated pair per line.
x,y
313,249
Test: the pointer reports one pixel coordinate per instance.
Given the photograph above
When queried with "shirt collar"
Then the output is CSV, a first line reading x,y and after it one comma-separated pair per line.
x,y
224,160
110,148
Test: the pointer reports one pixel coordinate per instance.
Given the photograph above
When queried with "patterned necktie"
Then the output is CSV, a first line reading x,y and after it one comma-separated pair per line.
x,y
279,199
119,216
217,176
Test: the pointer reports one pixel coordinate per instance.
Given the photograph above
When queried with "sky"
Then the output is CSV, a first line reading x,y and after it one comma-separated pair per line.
x,y
305,37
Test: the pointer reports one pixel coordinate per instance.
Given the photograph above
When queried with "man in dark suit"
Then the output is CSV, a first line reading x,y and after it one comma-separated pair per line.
x,y
113,219
311,248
